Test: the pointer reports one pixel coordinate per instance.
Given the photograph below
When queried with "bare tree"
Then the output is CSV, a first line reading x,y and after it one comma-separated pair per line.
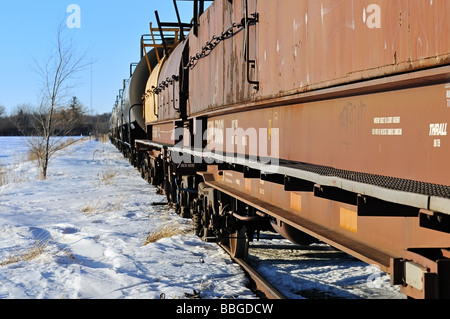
x,y
52,122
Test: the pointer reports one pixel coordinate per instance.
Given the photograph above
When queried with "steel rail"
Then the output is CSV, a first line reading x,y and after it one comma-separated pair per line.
x,y
261,286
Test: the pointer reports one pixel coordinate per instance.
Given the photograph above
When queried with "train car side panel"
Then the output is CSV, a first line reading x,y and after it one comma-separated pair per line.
x,y
171,103
310,45
400,134
151,106
215,80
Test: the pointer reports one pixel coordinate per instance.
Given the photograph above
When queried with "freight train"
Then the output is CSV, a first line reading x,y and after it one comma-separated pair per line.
x,y
321,120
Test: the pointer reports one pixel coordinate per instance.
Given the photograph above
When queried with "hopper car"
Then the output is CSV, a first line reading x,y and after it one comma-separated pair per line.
x,y
321,120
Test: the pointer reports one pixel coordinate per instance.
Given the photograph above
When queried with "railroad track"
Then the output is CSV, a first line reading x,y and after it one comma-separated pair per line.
x,y
259,285
278,269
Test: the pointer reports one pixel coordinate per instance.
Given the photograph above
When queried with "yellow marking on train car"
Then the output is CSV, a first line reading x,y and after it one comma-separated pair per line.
x,y
349,220
269,131
248,185
296,202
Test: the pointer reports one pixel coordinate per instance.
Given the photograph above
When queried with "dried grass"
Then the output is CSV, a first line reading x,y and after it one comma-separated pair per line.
x,y
3,176
28,255
104,138
10,176
102,206
35,251
107,177
166,231
88,209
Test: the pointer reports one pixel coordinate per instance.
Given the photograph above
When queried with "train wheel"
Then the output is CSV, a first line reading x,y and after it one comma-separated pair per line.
x,y
198,228
238,242
143,168
152,179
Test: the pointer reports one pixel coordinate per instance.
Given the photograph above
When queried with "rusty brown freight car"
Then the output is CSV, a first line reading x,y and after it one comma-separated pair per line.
x,y
325,118
356,92
298,46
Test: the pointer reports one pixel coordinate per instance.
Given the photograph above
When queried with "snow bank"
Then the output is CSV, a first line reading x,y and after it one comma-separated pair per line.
x,y
90,219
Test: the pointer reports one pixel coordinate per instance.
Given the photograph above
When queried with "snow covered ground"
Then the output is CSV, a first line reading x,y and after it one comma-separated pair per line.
x,y
91,218
81,234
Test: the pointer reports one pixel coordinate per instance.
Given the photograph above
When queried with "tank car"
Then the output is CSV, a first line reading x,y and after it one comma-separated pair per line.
x,y
321,120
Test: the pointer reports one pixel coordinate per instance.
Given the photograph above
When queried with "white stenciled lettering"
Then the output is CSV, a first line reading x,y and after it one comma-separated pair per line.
x,y
439,129
437,143
388,131
387,120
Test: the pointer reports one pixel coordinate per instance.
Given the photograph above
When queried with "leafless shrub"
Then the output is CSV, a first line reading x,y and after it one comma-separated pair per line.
x,y
52,121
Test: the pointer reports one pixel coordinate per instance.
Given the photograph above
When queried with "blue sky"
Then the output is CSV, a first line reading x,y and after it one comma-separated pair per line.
x,y
109,32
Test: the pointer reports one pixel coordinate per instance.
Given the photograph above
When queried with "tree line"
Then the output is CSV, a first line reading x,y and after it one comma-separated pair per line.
x,y
70,119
